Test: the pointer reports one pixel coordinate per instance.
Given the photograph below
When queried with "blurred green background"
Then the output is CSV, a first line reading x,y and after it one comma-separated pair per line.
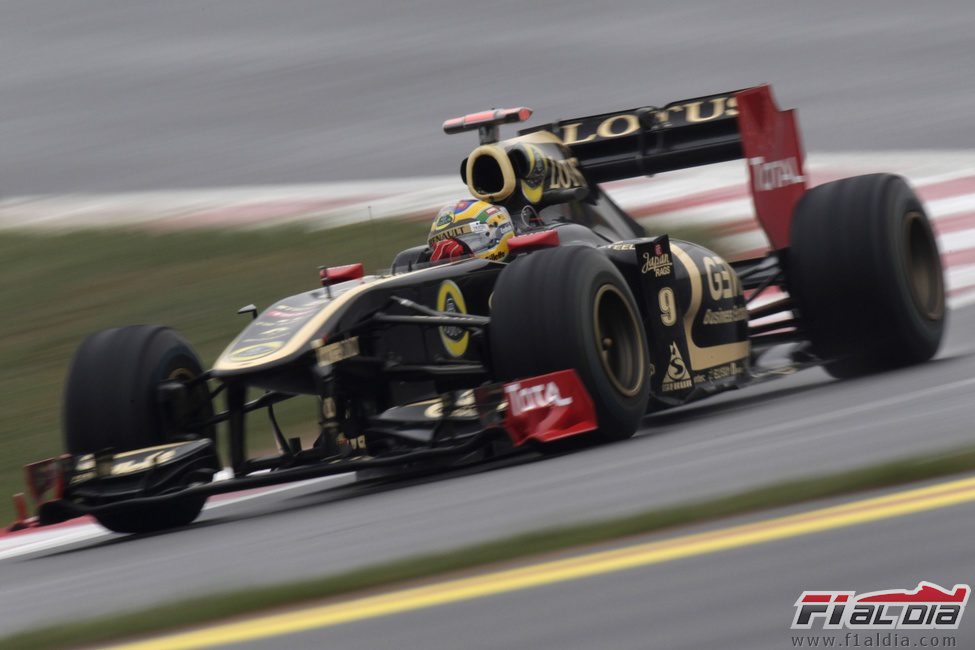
x,y
57,288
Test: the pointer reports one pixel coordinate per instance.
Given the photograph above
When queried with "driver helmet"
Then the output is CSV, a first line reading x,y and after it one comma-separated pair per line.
x,y
470,227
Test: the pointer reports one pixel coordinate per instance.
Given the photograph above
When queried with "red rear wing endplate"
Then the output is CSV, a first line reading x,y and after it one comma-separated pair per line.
x,y
771,147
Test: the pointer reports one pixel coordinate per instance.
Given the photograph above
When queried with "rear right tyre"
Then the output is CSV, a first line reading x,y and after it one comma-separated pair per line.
x,y
865,273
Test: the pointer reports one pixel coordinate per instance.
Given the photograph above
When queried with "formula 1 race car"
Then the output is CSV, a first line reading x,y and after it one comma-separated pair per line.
x,y
589,324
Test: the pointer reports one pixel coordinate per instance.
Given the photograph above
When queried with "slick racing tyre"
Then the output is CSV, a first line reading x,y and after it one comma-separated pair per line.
x,y
865,274
113,402
569,307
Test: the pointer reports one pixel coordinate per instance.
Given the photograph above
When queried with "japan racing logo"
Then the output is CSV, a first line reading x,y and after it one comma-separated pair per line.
x,y
659,263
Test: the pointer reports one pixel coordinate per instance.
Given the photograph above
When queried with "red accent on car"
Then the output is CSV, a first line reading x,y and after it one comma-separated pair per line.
x,y
533,241
45,479
20,507
548,407
474,118
23,520
335,274
447,249
487,118
771,146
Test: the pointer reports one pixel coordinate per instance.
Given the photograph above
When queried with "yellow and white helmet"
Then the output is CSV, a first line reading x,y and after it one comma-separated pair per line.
x,y
471,227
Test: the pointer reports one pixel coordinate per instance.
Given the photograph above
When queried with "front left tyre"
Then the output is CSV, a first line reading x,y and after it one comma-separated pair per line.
x,y
112,401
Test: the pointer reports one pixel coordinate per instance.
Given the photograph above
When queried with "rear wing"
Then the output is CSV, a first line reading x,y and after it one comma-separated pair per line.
x,y
700,131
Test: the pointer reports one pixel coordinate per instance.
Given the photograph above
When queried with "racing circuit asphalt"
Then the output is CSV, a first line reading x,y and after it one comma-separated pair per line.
x,y
142,95
737,598
801,425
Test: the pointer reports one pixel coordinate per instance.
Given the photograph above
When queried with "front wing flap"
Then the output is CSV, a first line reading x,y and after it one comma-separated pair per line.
x,y
541,409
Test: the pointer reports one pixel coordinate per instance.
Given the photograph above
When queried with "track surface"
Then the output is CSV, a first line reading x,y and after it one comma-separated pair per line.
x,y
740,598
147,95
805,424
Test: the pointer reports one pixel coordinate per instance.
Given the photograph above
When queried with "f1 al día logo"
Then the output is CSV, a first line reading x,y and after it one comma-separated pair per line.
x,y
929,607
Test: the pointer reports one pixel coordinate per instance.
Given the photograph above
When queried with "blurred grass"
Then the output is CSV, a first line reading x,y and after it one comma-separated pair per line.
x,y
57,288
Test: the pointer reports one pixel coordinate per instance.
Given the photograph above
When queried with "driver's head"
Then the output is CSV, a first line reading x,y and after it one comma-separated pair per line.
x,y
470,227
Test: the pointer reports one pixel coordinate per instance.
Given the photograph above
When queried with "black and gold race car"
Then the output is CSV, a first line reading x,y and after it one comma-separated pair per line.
x,y
590,324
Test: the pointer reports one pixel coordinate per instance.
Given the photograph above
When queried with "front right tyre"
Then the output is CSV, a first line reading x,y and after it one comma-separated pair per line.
x,y
569,307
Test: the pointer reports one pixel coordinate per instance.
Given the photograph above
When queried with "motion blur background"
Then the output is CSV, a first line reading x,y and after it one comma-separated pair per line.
x,y
111,95
116,96
108,96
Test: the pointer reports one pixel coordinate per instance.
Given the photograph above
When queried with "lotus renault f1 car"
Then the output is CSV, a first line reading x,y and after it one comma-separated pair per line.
x,y
586,326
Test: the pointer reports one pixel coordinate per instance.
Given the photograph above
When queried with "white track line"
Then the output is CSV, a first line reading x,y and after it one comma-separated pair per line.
x,y
28,543
321,205
950,206
952,242
44,540
960,277
348,477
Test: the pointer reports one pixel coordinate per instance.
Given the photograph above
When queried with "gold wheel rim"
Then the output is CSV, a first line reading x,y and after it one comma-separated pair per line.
x,y
619,340
922,263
